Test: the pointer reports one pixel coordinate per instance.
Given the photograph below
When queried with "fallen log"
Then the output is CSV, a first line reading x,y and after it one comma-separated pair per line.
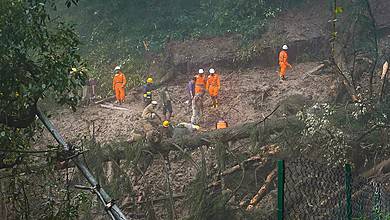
x,y
244,164
315,69
234,133
193,141
114,107
110,98
263,190
381,168
256,160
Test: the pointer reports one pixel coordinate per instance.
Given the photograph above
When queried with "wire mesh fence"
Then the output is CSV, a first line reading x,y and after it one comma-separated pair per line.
x,y
315,191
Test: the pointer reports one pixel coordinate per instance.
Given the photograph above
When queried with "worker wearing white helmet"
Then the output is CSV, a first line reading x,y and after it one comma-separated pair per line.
x,y
119,84
283,62
197,101
213,85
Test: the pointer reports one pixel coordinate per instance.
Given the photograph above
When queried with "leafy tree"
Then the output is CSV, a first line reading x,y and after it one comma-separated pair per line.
x,y
38,58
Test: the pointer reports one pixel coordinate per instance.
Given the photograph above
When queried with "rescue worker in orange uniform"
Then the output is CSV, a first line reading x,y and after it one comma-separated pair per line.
x,y
197,101
283,62
119,84
213,85
200,83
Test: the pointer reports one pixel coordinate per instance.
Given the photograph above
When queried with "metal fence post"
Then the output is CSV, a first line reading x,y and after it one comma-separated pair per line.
x,y
280,189
348,190
110,207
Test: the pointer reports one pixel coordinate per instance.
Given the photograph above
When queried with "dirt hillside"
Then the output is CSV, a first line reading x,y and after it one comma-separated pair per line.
x,y
245,95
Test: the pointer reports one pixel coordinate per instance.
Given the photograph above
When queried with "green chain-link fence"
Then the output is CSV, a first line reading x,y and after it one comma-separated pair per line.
x,y
309,190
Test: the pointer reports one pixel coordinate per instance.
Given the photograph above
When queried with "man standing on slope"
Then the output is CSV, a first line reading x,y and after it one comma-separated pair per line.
x,y
119,84
283,63
167,103
197,101
191,90
213,85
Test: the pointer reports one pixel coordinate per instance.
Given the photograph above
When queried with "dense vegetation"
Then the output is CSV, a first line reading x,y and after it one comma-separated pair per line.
x,y
135,32
40,58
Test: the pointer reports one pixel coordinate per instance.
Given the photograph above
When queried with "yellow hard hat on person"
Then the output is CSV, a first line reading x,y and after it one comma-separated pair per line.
x,y
165,124
149,80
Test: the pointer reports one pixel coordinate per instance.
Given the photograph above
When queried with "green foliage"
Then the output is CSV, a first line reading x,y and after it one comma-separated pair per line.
x,y
123,32
38,58
37,55
205,204
331,141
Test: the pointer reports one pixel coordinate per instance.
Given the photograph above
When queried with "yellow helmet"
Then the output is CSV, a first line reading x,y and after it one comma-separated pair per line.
x,y
149,80
165,124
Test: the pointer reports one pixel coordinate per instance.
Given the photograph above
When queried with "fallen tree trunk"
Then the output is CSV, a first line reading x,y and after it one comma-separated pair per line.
x,y
230,134
110,98
245,164
194,141
381,168
263,190
312,71
114,107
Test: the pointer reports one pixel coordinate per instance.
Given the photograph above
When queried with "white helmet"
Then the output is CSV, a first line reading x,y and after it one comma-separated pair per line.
x,y
211,70
154,102
117,68
285,47
200,71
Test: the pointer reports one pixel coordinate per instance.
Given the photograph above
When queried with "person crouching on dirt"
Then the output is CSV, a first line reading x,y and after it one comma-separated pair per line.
x,y
283,62
147,89
213,85
150,112
119,84
167,104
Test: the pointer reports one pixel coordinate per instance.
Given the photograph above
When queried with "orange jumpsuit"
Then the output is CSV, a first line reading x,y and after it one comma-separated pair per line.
x,y
200,85
283,56
213,85
118,85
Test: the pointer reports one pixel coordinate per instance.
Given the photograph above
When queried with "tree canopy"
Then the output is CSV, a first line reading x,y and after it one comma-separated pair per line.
x,y
39,55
